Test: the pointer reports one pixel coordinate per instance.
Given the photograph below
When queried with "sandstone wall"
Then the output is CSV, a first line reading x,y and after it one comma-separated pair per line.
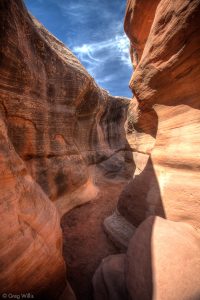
x,y
56,129
165,140
56,115
163,129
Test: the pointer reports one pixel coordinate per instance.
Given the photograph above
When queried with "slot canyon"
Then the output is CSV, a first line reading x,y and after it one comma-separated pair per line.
x,y
100,194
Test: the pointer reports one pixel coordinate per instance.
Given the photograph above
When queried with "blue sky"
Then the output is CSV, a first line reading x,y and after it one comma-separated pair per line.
x,y
93,30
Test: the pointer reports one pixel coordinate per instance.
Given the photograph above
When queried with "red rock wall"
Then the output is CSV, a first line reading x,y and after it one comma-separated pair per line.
x,y
61,123
163,256
165,140
30,230
55,129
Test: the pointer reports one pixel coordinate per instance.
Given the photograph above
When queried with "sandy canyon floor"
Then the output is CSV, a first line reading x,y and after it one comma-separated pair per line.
x,y
85,242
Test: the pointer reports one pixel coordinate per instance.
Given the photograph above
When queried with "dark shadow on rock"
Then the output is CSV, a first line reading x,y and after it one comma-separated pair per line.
x,y
109,279
139,262
141,197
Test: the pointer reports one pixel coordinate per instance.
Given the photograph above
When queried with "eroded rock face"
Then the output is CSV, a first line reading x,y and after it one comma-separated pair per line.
x,y
30,256
64,121
165,83
59,130
163,261
163,256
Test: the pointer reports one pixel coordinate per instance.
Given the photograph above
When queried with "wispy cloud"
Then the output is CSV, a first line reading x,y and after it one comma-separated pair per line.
x,y
93,30
74,10
96,54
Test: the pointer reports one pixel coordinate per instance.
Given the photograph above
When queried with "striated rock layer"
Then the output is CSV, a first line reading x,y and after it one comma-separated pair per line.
x,y
64,121
163,128
166,136
59,133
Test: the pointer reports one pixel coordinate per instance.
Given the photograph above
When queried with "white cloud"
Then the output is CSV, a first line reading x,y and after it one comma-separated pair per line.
x,y
107,78
98,40
101,52
85,52
77,11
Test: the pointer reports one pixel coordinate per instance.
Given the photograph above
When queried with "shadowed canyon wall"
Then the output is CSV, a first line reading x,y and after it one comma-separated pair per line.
x,y
60,134
163,129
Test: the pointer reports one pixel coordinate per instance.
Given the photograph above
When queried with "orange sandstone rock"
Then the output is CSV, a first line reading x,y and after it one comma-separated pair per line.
x,y
163,257
165,141
163,261
58,130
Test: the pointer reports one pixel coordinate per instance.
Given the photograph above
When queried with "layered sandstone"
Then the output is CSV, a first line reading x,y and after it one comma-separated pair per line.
x,y
165,83
64,121
162,261
60,133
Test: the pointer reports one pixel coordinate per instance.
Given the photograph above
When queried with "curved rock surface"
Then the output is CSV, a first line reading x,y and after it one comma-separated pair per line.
x,y
163,257
59,133
30,230
109,279
162,262
65,120
165,139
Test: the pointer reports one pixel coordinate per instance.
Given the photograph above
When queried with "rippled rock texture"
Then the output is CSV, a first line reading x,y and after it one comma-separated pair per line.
x,y
163,129
166,86
59,133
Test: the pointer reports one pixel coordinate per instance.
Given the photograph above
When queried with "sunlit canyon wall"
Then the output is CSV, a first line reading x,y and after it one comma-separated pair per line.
x,y
162,201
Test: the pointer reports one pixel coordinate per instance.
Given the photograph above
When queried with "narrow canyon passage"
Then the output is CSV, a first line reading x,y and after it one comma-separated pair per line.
x,y
85,241
76,161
